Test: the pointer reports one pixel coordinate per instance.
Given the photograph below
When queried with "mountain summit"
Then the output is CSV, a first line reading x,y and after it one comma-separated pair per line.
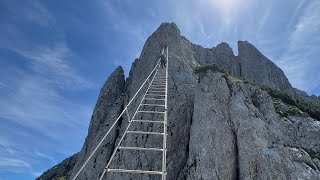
x,y
229,117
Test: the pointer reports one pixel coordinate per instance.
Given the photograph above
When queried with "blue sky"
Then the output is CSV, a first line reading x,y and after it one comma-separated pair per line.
x,y
55,56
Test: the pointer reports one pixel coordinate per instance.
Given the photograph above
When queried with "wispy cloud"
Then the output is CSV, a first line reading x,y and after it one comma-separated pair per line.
x,y
32,100
264,18
121,22
296,12
47,72
31,11
40,105
9,162
16,166
23,158
52,63
4,143
45,156
34,104
299,61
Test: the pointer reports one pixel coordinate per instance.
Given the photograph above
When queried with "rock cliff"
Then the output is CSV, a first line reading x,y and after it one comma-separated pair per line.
x,y
220,125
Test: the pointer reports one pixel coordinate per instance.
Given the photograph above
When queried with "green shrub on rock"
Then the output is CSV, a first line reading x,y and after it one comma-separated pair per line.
x,y
306,107
205,68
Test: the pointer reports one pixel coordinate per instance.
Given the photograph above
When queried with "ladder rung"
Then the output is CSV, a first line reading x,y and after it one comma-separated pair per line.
x,y
155,94
156,112
152,105
157,88
147,121
158,84
157,91
144,132
134,171
154,99
141,148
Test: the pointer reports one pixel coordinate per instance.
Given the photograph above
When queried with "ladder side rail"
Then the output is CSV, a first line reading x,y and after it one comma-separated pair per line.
x,y
164,173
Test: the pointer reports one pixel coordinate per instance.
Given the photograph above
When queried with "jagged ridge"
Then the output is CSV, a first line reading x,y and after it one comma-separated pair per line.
x,y
219,127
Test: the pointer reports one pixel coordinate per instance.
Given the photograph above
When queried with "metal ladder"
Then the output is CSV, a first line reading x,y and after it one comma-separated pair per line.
x,y
155,96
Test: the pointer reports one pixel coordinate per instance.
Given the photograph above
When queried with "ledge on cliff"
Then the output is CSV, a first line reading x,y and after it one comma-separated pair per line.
x,y
300,106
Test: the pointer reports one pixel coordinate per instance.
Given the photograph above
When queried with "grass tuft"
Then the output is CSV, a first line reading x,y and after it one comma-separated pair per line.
x,y
205,68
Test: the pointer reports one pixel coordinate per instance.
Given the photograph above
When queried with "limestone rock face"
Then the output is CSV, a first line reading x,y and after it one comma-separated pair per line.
x,y
250,64
303,95
237,134
254,65
60,170
109,105
109,93
218,126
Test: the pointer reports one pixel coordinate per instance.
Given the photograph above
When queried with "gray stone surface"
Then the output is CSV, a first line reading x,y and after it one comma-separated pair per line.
x,y
236,134
60,170
109,104
250,64
109,93
219,127
254,65
303,95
